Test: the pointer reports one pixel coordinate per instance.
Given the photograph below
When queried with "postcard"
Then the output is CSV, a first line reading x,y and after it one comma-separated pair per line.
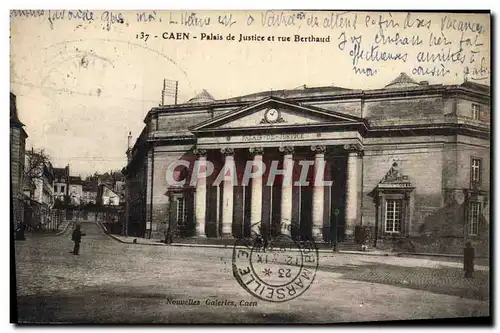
x,y
270,167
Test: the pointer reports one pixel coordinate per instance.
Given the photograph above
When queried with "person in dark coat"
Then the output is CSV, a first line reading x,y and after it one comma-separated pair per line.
x,y
469,260
20,231
168,236
76,237
263,238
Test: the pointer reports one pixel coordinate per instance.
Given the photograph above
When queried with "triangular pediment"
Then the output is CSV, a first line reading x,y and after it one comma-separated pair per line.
x,y
395,178
273,112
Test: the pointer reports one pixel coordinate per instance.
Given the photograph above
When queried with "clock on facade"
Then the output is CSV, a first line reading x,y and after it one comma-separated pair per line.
x,y
272,115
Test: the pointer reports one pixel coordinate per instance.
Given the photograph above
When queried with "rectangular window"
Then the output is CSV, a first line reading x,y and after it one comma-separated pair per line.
x,y
476,171
474,214
181,211
476,111
55,188
393,215
62,189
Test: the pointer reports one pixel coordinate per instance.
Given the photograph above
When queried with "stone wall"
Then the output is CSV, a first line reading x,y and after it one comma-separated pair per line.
x,y
17,153
403,110
163,157
423,167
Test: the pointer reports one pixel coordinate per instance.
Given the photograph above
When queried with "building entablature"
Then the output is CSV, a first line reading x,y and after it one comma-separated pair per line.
x,y
273,121
330,94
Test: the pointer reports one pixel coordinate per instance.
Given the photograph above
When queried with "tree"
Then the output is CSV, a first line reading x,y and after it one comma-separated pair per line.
x,y
37,165
92,178
62,204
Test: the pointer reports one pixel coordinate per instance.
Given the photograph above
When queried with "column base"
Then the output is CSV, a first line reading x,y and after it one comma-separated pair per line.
x,y
228,236
349,235
349,239
319,239
286,234
252,235
200,236
317,233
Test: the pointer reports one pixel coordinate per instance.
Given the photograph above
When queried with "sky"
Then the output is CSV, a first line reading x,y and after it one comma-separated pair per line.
x,y
83,80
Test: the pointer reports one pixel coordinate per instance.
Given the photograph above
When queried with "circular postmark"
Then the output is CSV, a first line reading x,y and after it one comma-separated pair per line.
x,y
278,271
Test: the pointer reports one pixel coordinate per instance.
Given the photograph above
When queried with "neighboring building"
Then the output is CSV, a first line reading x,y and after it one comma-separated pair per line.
x,y
119,188
17,159
75,190
89,191
107,197
136,183
89,197
114,181
111,178
410,160
61,182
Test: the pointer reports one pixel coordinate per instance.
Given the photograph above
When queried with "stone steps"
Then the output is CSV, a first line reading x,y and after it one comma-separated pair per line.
x,y
205,241
248,242
352,246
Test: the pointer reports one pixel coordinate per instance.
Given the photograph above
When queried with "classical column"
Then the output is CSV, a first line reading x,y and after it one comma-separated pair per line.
x,y
201,192
286,191
227,195
318,200
256,195
353,189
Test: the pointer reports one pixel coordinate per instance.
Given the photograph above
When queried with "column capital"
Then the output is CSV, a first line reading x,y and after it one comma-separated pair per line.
x,y
287,150
256,151
318,149
354,148
200,152
227,151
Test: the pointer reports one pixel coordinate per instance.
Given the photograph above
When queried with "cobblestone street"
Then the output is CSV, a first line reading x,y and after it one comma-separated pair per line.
x,y
132,283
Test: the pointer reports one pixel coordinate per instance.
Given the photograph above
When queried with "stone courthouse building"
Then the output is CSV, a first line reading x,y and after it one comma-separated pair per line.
x,y
410,160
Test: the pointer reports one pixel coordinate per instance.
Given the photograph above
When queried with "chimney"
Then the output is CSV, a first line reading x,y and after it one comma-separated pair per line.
x,y
129,148
129,142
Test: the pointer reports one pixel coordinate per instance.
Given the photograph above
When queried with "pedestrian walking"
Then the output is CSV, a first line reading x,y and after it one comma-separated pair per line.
x,y
76,237
469,260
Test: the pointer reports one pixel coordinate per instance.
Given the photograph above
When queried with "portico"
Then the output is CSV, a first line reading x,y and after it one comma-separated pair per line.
x,y
269,194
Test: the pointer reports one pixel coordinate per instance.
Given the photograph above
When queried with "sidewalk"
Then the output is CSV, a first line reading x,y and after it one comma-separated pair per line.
x,y
68,222
158,242
63,227
130,240
373,253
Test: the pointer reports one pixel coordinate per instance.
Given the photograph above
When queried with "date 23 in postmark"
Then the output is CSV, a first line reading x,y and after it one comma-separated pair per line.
x,y
280,272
